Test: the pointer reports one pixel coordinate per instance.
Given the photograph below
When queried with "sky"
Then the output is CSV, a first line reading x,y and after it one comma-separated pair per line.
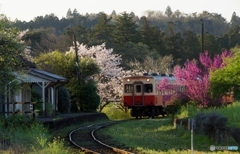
x,y
26,10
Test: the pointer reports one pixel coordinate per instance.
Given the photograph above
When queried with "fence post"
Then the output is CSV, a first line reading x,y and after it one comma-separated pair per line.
x,y
192,121
33,110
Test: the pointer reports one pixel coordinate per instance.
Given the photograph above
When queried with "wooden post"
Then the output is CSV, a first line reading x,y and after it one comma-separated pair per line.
x,y
33,110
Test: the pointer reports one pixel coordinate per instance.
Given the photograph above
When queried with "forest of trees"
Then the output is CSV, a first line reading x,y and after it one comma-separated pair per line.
x,y
157,39
155,34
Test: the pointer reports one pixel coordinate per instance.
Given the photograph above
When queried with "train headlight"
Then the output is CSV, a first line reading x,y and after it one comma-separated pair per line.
x,y
148,80
128,80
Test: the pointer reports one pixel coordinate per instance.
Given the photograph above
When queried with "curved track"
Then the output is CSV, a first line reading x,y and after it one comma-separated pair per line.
x,y
84,138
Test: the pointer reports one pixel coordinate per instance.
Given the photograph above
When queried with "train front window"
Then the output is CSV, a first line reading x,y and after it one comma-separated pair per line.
x,y
138,88
128,88
148,88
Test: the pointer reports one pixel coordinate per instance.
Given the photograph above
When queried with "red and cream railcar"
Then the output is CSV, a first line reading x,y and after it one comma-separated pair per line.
x,y
142,96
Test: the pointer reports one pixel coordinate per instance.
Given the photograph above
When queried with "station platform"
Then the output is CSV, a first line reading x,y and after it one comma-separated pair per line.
x,y
63,120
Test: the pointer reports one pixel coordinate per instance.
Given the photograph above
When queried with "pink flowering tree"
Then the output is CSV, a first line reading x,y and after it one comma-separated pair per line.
x,y
195,77
164,85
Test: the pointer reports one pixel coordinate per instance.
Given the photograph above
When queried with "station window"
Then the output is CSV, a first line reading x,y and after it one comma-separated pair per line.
x,y
128,88
148,88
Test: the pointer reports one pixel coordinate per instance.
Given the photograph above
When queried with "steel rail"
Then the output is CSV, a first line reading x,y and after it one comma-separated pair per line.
x,y
99,126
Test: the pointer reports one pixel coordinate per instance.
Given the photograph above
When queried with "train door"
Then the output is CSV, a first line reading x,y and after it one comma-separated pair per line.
x,y
138,93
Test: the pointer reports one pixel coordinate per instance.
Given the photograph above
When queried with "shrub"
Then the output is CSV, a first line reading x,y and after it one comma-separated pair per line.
x,y
64,100
235,133
188,111
212,124
177,105
14,121
20,132
199,118
86,96
114,112
54,147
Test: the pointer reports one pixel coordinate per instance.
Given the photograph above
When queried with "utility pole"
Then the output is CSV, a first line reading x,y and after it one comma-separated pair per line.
x,y
77,60
202,35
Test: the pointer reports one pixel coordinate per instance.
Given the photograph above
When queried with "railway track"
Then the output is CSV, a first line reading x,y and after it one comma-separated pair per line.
x,y
86,139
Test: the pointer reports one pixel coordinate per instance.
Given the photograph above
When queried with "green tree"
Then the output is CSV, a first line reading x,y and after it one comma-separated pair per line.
x,y
11,53
113,15
234,36
150,35
85,96
153,65
80,32
51,20
64,100
125,29
177,14
69,14
75,13
191,46
101,33
173,43
235,20
41,40
227,78
64,65
211,44
131,52
224,42
57,62
168,11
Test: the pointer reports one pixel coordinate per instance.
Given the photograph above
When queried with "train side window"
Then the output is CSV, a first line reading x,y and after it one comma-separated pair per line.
x,y
138,88
148,88
128,88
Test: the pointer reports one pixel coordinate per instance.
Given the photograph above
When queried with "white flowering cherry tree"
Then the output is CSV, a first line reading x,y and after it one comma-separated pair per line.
x,y
110,77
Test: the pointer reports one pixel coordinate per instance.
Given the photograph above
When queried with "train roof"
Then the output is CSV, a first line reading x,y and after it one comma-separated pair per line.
x,y
155,77
163,77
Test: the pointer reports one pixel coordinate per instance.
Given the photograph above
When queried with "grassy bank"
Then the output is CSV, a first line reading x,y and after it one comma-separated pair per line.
x,y
156,136
153,136
147,136
232,112
21,134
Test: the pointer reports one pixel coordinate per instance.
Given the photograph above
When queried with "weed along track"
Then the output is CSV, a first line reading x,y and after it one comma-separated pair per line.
x,y
87,139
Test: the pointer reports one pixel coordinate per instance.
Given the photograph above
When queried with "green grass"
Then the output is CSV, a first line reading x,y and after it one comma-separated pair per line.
x,y
115,112
27,136
232,112
147,136
156,136
165,138
36,138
